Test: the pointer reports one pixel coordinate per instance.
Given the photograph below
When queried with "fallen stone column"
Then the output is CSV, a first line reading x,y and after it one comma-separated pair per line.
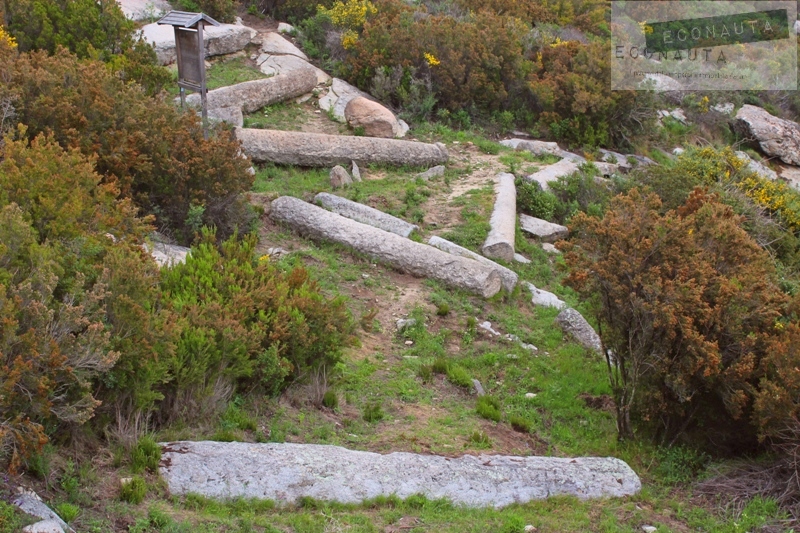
x,y
364,214
565,167
321,150
253,95
403,254
500,241
508,276
287,472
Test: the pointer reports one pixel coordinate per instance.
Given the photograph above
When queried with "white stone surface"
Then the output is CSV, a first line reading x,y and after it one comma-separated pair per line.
x,y
550,173
365,214
775,136
273,44
287,472
284,27
44,526
167,254
432,172
542,229
499,243
573,323
338,96
757,167
544,298
148,10
534,147
272,65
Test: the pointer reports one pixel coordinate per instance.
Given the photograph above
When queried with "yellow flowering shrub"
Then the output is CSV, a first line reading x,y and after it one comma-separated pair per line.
x,y
349,14
776,196
349,39
431,60
7,39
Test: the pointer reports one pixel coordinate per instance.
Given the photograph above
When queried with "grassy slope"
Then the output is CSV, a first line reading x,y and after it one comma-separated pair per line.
x,y
422,411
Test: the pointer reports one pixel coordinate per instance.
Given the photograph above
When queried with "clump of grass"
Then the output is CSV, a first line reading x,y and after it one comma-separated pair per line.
x,y
373,412
519,424
425,372
134,490
440,366
443,310
480,439
488,407
330,399
459,376
145,455
67,511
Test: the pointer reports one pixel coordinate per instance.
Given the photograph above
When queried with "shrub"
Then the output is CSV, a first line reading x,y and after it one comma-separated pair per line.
x,y
440,366
425,373
373,412
533,201
221,10
134,490
579,192
68,512
146,455
488,407
330,399
149,150
442,309
686,303
459,376
480,439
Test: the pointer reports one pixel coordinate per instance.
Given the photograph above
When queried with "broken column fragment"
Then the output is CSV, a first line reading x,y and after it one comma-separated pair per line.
x,y
509,277
500,241
403,254
364,214
322,150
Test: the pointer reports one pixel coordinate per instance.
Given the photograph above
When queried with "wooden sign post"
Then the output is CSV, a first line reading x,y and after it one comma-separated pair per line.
x,y
191,52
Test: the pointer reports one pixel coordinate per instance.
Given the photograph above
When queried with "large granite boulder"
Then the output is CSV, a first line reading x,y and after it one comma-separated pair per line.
x,y
219,40
775,136
573,324
375,119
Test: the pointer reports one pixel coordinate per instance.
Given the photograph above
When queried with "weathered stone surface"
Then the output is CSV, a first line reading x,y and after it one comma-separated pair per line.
x,y
790,175
375,119
143,9
726,108
365,214
403,254
757,167
478,388
519,258
30,503
534,147
283,27
572,322
287,472
569,156
339,177
678,150
432,172
273,65
565,167
550,249
253,95
544,298
232,115
44,526
500,241
606,169
356,171
219,40
510,278
167,254
616,158
339,95
775,136
544,230
272,43
320,150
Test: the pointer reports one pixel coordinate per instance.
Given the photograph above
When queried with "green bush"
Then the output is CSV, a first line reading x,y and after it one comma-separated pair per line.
x,y
330,399
146,455
10,518
221,10
68,512
480,439
459,376
489,407
373,412
533,201
134,490
440,366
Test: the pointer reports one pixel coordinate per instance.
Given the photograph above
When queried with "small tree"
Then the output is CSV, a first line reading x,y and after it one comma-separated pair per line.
x,y
685,302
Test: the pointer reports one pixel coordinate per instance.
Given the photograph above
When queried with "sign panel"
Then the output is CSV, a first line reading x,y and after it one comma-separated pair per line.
x,y
191,65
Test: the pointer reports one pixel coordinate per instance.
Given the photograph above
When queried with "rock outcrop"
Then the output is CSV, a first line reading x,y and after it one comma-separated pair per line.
x,y
403,254
775,136
288,472
321,150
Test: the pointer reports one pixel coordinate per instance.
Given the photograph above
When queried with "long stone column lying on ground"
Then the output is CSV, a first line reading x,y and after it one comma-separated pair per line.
x,y
253,95
403,254
288,472
321,150
364,214
500,241
509,277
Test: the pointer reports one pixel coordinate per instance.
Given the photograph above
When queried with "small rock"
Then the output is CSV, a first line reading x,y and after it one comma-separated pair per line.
x,y
550,248
487,326
432,172
303,99
519,258
510,337
757,167
124,481
356,172
376,120
544,298
44,526
404,323
573,323
512,356
679,115
678,151
530,395
276,252
544,230
726,108
285,28
478,388
529,347
649,529
529,528
409,343
340,177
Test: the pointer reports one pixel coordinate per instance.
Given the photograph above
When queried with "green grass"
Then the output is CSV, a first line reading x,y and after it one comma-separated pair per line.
x,y
230,72
280,116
